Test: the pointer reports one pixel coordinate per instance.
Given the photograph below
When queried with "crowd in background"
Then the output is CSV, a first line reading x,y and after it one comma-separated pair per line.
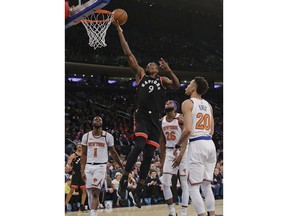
x,y
188,39
85,100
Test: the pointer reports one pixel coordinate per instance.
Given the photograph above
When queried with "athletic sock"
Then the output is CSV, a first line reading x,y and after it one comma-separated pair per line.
x,y
171,209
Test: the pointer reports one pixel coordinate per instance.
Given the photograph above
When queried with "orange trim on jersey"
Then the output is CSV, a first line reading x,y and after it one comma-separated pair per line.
x,y
193,183
74,186
141,134
83,187
98,183
150,142
208,180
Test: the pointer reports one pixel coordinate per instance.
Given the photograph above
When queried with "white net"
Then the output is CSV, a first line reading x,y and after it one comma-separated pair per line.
x,y
96,26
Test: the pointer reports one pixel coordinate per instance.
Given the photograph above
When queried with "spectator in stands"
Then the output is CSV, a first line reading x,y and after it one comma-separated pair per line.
x,y
217,184
153,186
110,191
116,182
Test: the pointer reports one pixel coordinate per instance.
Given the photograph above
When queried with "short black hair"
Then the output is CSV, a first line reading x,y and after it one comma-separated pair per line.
x,y
202,85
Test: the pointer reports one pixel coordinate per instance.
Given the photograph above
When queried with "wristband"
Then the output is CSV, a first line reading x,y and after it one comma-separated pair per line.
x,y
177,146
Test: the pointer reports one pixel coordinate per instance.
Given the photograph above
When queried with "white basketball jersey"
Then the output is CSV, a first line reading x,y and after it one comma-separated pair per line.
x,y
97,146
172,131
201,118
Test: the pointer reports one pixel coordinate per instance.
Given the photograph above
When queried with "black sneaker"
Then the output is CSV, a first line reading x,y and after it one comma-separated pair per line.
x,y
172,215
135,198
122,188
82,208
136,195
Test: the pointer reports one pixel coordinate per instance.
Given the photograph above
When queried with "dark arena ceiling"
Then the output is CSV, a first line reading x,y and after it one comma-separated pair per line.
x,y
199,21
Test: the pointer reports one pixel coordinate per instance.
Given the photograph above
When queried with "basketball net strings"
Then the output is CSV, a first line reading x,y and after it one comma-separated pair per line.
x,y
96,26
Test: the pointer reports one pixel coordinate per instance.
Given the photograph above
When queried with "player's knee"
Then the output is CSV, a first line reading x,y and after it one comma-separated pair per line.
x,y
148,152
183,181
166,180
137,149
205,186
72,190
95,193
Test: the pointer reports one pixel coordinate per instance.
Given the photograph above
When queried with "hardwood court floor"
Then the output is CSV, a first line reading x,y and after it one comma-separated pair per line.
x,y
152,210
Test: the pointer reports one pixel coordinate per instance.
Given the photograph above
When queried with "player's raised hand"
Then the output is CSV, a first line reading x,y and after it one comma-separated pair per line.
x,y
164,65
116,23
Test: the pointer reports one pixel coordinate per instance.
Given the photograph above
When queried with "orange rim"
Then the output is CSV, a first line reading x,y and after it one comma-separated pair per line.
x,y
101,11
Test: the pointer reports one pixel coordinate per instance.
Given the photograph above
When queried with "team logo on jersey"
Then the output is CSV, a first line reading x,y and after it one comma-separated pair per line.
x,y
94,180
155,82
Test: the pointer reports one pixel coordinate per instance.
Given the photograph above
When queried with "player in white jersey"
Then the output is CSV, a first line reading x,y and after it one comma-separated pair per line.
x,y
96,144
199,128
172,124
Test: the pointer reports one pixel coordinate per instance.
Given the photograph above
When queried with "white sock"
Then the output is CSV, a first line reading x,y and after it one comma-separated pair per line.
x,y
93,212
171,209
184,211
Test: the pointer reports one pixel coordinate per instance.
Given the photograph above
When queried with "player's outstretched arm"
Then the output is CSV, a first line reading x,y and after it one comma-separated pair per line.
x,y
136,69
173,82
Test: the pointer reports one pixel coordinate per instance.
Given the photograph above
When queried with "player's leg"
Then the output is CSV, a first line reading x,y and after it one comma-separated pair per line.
x,y
97,182
168,171
184,184
95,201
166,183
73,186
89,177
195,177
148,154
208,177
83,197
69,195
140,141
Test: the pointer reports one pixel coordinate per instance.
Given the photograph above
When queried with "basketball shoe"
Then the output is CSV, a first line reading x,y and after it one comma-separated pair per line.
x,y
122,188
136,195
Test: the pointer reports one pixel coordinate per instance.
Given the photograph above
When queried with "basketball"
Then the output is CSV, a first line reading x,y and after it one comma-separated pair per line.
x,y
120,15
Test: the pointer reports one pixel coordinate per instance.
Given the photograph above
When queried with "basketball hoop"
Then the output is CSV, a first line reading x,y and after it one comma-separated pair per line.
x,y
96,25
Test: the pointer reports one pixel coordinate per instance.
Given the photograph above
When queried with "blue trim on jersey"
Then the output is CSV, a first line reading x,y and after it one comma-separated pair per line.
x,y
200,138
